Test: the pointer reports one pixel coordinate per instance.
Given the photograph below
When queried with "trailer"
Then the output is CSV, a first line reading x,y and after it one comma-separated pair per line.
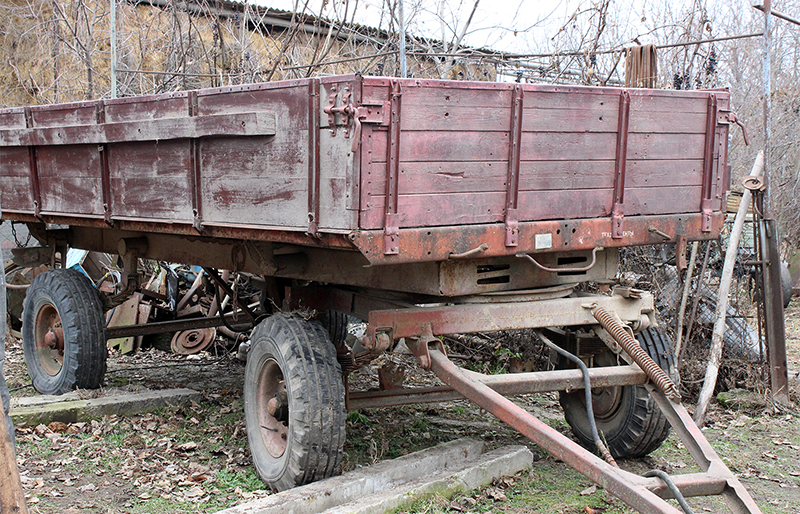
x,y
422,207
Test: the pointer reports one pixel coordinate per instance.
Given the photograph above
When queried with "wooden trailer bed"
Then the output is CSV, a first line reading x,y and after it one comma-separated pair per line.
x,y
402,170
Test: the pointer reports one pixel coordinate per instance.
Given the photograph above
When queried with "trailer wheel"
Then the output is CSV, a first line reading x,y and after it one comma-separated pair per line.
x,y
63,333
293,402
627,417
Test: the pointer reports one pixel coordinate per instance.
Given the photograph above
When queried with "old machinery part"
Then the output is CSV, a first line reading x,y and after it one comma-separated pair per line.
x,y
192,341
564,270
639,356
528,295
587,388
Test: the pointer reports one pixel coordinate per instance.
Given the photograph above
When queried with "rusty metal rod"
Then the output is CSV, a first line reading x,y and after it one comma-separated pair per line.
x,y
510,384
159,327
587,390
614,480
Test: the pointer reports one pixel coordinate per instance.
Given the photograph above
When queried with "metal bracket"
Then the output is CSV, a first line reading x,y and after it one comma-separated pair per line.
x,y
708,163
391,233
420,347
618,211
512,179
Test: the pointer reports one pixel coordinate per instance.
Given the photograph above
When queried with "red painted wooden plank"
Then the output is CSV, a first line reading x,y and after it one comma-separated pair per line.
x,y
16,193
600,118
70,180
153,108
568,146
658,173
150,180
60,115
666,146
662,200
470,177
12,118
454,117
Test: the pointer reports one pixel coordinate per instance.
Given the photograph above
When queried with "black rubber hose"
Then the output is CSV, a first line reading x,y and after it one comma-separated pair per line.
x,y
672,487
587,387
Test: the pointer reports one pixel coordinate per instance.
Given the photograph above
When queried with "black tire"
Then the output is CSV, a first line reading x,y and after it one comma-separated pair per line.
x,y
293,360
335,323
63,301
627,417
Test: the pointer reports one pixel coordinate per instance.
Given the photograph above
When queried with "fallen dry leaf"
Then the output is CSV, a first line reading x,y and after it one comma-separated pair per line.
x,y
589,490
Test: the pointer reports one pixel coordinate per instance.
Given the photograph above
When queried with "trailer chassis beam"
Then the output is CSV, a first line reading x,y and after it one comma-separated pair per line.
x,y
646,495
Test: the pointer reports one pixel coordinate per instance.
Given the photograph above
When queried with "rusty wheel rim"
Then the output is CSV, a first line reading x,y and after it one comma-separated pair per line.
x,y
273,408
606,402
49,339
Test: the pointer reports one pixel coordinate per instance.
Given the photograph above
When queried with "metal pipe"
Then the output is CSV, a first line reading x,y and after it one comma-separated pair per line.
x,y
676,493
510,384
160,327
113,36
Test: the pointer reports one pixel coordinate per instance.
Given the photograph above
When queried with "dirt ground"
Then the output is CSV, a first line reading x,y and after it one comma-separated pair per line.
x,y
195,458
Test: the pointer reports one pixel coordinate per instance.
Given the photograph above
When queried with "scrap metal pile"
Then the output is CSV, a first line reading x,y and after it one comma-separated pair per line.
x,y
166,292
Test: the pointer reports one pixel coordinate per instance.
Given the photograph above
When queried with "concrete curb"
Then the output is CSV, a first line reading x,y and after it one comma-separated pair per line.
x,y
361,482
444,469
69,408
471,475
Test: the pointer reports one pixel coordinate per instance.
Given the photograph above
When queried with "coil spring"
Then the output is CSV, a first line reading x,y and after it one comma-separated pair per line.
x,y
639,356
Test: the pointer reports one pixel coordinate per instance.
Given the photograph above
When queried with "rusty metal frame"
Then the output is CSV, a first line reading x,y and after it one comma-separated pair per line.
x,y
438,243
477,317
195,169
646,495
508,385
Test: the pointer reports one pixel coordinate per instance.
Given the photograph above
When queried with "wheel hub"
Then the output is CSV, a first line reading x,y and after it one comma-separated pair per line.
x,y
273,408
49,335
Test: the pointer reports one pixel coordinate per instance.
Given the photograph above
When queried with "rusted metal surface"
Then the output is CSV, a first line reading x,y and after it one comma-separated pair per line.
x,y
467,318
512,182
391,214
437,243
610,478
192,341
708,162
510,384
160,327
734,493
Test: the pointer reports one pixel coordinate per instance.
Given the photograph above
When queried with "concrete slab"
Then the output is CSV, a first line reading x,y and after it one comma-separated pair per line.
x,y
71,408
351,486
397,483
466,477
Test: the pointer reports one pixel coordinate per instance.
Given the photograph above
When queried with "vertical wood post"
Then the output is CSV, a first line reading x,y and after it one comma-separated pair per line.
x,y
12,498
712,369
